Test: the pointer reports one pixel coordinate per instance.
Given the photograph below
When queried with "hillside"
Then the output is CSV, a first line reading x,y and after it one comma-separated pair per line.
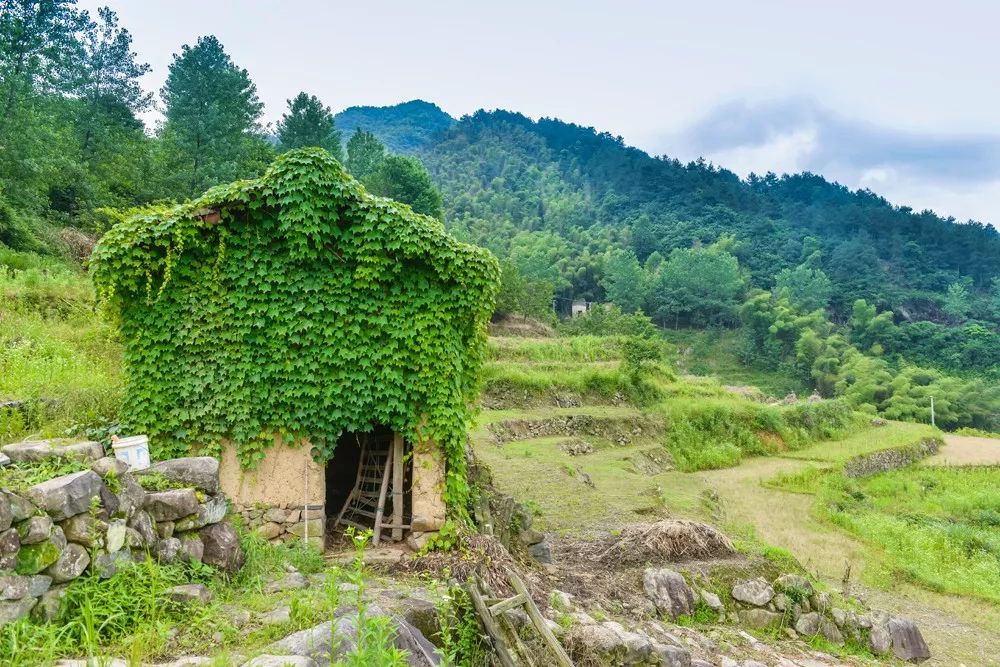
x,y
501,173
403,128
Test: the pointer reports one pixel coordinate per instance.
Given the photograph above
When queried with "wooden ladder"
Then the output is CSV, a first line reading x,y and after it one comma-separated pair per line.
x,y
502,632
365,505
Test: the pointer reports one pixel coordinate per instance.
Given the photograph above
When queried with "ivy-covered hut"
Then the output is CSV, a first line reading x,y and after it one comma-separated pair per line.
x,y
298,328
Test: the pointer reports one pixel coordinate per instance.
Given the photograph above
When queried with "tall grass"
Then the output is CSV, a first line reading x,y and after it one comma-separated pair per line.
x,y
574,348
57,354
711,433
937,527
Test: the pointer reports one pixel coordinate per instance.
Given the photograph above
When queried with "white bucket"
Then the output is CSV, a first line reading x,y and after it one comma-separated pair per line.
x,y
133,450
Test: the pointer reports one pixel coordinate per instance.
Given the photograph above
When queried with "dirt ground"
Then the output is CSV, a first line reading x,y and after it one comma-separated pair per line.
x,y
963,450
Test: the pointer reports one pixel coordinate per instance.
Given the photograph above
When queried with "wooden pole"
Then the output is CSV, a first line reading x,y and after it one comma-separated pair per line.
x,y
489,623
536,618
932,412
380,510
397,486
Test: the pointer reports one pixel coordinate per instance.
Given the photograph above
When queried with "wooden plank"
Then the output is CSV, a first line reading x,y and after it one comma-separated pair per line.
x,y
489,623
397,486
536,618
381,502
504,605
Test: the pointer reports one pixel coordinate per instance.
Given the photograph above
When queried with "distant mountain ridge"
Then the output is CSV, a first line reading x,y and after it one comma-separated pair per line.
x,y
403,128
503,174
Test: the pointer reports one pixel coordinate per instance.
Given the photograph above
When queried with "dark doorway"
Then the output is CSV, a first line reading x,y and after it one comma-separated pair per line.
x,y
355,477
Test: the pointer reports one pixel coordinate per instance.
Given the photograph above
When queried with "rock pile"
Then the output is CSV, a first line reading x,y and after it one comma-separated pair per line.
x,y
791,602
94,520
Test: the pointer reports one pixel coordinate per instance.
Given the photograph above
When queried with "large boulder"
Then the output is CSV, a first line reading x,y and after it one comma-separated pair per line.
x,y
71,563
13,587
795,585
668,591
171,505
907,642
222,547
109,465
201,472
142,525
754,591
40,450
334,639
808,624
211,511
187,594
192,548
62,497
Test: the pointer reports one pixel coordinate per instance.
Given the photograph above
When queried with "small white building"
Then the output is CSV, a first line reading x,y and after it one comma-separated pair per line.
x,y
579,307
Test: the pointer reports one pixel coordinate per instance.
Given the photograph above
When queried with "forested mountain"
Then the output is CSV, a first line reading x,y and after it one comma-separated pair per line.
x,y
501,173
403,128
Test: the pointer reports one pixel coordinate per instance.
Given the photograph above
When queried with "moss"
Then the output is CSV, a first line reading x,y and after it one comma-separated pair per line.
x,y
33,558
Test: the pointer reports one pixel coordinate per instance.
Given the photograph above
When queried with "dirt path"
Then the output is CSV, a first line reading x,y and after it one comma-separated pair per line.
x,y
958,630
963,450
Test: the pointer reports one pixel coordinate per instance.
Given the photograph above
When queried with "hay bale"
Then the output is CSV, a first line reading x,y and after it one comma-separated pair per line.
x,y
670,540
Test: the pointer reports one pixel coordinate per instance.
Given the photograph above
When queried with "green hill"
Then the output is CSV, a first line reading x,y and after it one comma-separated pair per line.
x,y
403,128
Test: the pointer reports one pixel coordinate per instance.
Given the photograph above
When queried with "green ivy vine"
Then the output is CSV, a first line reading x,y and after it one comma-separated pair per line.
x,y
296,304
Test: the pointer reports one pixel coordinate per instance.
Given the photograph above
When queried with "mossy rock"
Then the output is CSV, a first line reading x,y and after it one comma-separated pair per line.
x,y
34,558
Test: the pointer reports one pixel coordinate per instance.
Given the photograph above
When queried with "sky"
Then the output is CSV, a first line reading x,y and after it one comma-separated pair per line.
x,y
899,97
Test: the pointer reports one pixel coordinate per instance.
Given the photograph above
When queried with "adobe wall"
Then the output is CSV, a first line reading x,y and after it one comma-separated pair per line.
x,y
286,490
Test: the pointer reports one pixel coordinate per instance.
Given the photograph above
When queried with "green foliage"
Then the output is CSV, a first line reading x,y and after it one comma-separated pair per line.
x,y
398,177
520,296
311,309
696,286
625,281
211,130
718,433
807,288
405,179
364,154
309,123
403,128
56,356
956,301
935,526
609,321
21,476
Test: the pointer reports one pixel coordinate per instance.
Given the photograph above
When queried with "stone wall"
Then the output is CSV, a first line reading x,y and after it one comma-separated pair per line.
x,y
884,460
104,515
286,522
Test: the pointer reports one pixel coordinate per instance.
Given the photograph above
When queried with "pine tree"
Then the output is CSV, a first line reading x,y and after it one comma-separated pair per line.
x,y
309,123
212,132
107,83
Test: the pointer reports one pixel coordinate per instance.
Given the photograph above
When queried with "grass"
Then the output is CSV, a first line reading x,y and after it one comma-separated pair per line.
x,y
866,441
715,352
129,615
717,433
19,477
937,527
57,354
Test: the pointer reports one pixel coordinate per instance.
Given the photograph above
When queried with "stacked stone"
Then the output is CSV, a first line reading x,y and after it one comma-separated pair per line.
x,y
286,522
95,520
